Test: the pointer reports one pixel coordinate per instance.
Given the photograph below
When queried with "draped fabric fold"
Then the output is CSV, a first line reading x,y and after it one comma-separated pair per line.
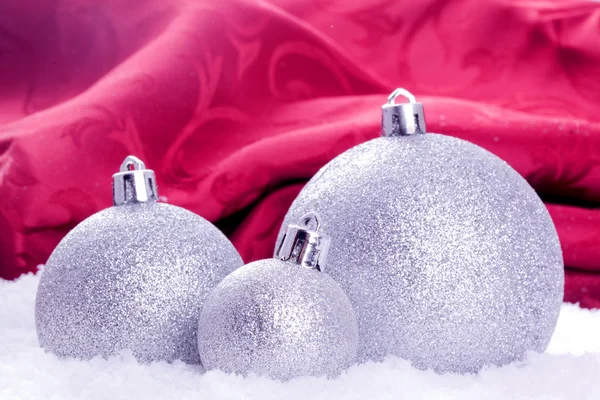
x,y
235,104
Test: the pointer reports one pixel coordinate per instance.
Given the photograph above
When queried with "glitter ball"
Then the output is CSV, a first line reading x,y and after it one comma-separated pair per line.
x,y
133,277
280,320
448,256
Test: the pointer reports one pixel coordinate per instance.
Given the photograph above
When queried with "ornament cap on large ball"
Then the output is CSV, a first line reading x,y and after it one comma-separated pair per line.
x,y
402,119
132,277
281,317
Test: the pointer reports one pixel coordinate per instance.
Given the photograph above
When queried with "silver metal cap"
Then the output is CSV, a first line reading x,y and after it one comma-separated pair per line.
x,y
134,183
402,119
302,244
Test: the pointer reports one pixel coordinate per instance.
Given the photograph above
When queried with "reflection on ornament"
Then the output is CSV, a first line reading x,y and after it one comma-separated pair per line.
x,y
133,276
282,317
449,257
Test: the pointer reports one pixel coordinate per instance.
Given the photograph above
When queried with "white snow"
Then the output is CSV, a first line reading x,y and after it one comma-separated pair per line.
x,y
569,370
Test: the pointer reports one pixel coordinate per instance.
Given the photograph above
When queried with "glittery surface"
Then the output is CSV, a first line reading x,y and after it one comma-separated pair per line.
x,y
280,320
132,277
447,254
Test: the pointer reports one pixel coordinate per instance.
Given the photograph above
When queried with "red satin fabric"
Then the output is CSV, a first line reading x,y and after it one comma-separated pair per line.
x,y
236,103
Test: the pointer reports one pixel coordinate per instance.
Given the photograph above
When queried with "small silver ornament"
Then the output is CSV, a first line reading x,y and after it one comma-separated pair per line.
x,y
281,317
449,257
133,276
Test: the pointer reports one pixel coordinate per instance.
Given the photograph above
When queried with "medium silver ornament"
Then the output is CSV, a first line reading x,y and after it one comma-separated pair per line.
x,y
449,257
281,317
133,276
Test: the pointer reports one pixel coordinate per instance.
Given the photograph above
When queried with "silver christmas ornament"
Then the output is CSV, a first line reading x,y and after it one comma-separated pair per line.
x,y
133,276
449,257
281,317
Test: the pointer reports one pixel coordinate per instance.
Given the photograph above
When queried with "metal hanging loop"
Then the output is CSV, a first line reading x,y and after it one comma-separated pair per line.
x,y
303,244
402,119
134,183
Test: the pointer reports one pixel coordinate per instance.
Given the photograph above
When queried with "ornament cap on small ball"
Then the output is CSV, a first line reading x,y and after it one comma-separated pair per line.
x,y
282,317
133,276
449,257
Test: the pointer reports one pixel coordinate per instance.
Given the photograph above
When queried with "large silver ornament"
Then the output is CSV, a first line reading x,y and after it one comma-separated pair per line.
x,y
133,276
449,257
281,317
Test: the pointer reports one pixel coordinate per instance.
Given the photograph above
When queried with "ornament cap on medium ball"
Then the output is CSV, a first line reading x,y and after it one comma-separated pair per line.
x,y
282,317
132,277
447,254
